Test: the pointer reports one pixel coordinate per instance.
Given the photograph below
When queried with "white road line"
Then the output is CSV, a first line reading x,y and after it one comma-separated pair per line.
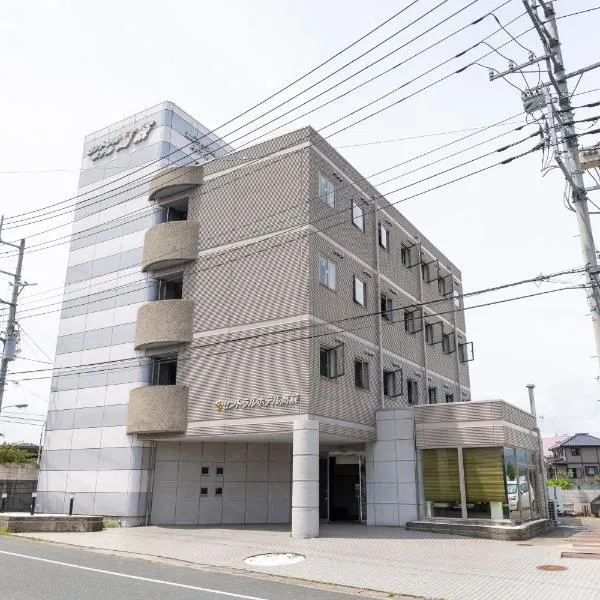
x,y
136,577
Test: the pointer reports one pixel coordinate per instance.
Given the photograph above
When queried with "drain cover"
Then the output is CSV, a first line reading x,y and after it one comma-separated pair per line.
x,y
274,559
551,568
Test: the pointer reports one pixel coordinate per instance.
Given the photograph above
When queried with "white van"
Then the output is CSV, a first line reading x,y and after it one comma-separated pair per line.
x,y
527,493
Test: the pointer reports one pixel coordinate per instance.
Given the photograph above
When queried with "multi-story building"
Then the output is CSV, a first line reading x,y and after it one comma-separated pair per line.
x,y
233,325
577,458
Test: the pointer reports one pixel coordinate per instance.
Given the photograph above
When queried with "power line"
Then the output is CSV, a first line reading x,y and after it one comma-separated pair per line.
x,y
412,306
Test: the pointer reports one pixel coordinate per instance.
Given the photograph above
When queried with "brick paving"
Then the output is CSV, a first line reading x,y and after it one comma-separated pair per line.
x,y
379,558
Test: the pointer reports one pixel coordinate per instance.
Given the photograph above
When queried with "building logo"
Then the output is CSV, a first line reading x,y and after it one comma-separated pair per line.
x,y
258,402
121,141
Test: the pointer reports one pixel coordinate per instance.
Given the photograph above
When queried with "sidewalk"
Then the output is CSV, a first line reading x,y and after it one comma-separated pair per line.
x,y
378,558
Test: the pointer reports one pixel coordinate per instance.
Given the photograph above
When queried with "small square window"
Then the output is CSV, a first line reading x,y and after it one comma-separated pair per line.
x,y
326,190
358,215
219,491
204,470
361,374
432,395
412,391
384,236
449,398
219,470
405,255
575,451
204,491
360,291
327,272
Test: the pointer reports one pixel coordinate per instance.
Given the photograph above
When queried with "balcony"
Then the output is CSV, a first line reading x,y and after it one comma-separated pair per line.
x,y
170,244
173,180
163,323
157,409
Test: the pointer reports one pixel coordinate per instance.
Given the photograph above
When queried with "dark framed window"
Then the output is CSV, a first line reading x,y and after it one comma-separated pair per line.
x,y
409,321
332,361
169,289
327,272
405,255
204,491
393,383
591,470
387,307
428,333
326,190
425,272
360,291
432,395
384,236
219,470
466,352
441,286
449,397
358,215
575,451
573,473
163,371
361,374
218,491
412,391
204,470
448,343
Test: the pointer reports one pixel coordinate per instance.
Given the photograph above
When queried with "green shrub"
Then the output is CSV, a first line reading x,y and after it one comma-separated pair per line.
x,y
13,454
563,484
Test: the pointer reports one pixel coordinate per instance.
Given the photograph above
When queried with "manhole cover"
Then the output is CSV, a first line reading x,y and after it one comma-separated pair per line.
x,y
274,559
551,568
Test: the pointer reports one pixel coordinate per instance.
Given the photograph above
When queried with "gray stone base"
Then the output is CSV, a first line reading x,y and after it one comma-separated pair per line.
x,y
491,531
21,523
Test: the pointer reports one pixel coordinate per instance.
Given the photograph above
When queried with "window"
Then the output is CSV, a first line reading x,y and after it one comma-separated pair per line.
x,y
169,289
384,237
465,352
392,383
163,371
204,491
448,345
387,308
425,272
573,473
405,255
332,361
360,291
456,296
441,286
326,190
327,272
591,471
358,215
361,374
219,491
432,395
409,321
412,391
429,333
204,470
178,211
219,470
575,451
449,398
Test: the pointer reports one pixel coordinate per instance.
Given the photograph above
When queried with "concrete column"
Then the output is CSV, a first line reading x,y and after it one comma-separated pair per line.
x,y
305,479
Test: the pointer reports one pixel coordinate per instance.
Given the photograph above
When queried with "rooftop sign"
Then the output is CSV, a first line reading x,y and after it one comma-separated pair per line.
x,y
121,141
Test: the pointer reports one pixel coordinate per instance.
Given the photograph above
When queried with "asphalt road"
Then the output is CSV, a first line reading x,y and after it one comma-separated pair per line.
x,y
32,570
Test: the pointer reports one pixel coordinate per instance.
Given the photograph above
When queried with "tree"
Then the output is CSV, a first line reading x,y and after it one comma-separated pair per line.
x,y
558,482
13,454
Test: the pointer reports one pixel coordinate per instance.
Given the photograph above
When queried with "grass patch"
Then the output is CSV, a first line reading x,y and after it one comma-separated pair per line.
x,y
110,523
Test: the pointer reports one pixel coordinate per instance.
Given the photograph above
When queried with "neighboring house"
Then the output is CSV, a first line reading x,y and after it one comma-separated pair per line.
x,y
549,442
577,458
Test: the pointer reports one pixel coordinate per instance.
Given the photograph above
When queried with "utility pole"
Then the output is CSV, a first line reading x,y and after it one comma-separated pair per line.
x,y
12,334
563,140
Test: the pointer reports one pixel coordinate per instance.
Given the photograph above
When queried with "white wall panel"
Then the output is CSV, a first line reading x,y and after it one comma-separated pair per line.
x,y
86,438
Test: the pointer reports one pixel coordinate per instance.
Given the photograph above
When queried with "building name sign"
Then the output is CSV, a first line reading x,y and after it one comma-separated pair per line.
x,y
121,141
259,401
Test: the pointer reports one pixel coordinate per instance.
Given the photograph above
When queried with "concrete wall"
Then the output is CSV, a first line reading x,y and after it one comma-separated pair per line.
x,y
390,466
18,482
255,483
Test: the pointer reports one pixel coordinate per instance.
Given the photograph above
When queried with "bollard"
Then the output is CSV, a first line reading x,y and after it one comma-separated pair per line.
x,y
71,505
4,496
33,497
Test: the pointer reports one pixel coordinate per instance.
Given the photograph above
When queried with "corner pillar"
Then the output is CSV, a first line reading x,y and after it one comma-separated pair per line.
x,y
305,479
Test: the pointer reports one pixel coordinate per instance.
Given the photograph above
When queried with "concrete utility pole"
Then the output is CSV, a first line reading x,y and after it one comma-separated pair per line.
x,y
560,124
563,140
541,467
12,334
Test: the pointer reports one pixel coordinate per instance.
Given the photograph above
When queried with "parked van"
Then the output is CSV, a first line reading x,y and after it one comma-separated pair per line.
x,y
527,493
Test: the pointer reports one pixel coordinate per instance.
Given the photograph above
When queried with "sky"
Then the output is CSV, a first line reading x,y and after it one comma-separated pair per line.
x,y
70,68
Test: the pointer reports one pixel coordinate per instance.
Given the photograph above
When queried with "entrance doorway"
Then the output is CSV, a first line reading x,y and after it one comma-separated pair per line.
x,y
342,488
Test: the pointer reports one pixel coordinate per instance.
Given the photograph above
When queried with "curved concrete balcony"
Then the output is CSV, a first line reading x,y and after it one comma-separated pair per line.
x,y
157,409
163,323
173,180
170,244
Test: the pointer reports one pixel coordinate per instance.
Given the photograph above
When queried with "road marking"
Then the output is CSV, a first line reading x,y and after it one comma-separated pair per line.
x,y
136,577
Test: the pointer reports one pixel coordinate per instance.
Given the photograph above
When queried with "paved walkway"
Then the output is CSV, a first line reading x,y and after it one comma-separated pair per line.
x,y
378,558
